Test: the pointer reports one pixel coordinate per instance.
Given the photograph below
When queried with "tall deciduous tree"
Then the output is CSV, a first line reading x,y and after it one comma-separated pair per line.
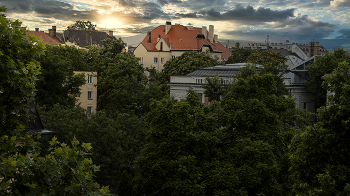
x,y
320,154
187,63
214,88
57,83
23,171
239,55
82,25
236,150
115,141
324,65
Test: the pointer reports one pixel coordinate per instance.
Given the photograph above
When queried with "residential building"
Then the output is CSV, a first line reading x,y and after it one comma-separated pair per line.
x,y
169,41
294,81
88,96
83,38
303,51
47,38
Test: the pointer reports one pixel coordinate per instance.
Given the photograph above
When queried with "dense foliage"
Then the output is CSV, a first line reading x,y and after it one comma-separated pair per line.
x,y
320,155
207,150
239,55
23,170
82,25
324,65
57,82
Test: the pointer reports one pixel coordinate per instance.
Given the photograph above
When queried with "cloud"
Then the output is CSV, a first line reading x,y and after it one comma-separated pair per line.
x,y
345,34
248,14
340,3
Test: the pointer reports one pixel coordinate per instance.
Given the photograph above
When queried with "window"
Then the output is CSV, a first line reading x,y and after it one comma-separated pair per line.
x,y
155,60
172,57
90,95
305,105
90,79
161,45
162,60
89,110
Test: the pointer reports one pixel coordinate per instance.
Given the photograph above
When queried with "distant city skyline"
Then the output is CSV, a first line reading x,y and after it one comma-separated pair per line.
x,y
299,21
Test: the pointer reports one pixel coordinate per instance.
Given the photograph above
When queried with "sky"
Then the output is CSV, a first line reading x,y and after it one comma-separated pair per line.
x,y
243,21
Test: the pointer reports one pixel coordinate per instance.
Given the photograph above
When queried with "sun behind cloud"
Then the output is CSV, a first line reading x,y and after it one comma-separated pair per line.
x,y
110,23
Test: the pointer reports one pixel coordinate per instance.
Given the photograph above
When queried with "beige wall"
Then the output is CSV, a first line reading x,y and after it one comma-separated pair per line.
x,y
147,57
83,99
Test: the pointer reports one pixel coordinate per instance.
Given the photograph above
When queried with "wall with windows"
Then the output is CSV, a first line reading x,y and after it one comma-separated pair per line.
x,y
88,96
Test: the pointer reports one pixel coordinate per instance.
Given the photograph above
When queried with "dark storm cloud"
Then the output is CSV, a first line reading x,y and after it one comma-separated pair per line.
x,y
248,14
304,22
345,34
48,9
190,15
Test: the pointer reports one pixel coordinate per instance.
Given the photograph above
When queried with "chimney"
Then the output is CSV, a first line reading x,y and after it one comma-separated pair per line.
x,y
237,45
52,32
205,32
167,27
149,37
211,33
215,38
36,29
110,33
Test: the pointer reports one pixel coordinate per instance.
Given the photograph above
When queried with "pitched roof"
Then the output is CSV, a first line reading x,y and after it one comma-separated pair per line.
x,y
180,37
46,38
84,38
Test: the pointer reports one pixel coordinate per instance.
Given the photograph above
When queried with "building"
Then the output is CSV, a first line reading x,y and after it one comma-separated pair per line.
x,y
47,38
88,96
169,41
294,81
83,38
304,51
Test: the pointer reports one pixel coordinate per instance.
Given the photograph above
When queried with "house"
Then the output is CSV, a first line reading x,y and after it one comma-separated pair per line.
x,y
294,81
47,38
83,38
88,92
169,41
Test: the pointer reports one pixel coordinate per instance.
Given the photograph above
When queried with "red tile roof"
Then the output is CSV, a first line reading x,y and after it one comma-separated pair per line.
x,y
46,38
180,37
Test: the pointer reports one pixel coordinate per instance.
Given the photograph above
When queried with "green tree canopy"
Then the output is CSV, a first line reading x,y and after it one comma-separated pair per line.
x,y
323,65
58,83
207,150
115,141
214,88
320,154
239,55
23,171
82,25
187,63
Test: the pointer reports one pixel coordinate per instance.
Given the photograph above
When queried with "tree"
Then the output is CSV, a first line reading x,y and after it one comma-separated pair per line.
x,y
82,25
186,63
115,141
236,148
112,47
239,55
270,63
323,65
57,83
214,88
120,84
23,171
320,154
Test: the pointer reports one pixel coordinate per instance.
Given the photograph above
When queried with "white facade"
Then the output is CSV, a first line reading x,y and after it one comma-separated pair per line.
x,y
179,85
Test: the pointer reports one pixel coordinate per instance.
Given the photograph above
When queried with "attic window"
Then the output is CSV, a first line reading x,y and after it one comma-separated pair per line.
x,y
199,36
180,40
